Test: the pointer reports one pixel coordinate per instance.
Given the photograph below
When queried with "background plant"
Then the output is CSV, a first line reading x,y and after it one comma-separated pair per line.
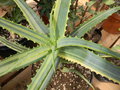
x,y
15,15
6,3
53,45
46,6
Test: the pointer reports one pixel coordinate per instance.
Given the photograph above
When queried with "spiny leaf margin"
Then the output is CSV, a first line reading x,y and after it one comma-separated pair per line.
x,y
86,44
93,62
33,19
59,17
46,71
19,61
87,25
15,46
24,32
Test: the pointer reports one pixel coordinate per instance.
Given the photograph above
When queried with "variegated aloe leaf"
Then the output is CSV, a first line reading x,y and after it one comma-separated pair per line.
x,y
15,46
22,60
58,18
44,74
24,32
91,61
86,44
116,48
85,27
33,19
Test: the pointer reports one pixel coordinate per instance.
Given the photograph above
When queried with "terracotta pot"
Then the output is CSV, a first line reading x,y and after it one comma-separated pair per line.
x,y
102,83
112,24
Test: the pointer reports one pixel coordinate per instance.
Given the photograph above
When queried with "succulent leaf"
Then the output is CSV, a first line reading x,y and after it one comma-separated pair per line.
x,y
54,46
33,19
93,62
23,31
88,25
86,44
44,74
58,18
15,46
22,60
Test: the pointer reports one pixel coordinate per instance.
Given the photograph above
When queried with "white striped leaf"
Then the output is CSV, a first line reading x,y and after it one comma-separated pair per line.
x,y
33,19
24,31
86,44
22,60
15,46
44,74
93,62
58,18
85,27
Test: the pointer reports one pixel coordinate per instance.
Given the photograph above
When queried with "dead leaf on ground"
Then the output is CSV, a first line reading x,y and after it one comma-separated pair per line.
x,y
82,2
2,12
32,4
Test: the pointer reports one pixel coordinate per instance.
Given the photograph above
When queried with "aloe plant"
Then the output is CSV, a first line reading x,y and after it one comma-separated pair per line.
x,y
54,45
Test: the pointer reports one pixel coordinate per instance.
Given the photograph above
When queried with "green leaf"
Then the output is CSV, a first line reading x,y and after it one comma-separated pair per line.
x,y
58,20
85,27
108,2
89,4
15,46
23,31
91,61
86,44
22,60
44,74
116,48
33,19
6,3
